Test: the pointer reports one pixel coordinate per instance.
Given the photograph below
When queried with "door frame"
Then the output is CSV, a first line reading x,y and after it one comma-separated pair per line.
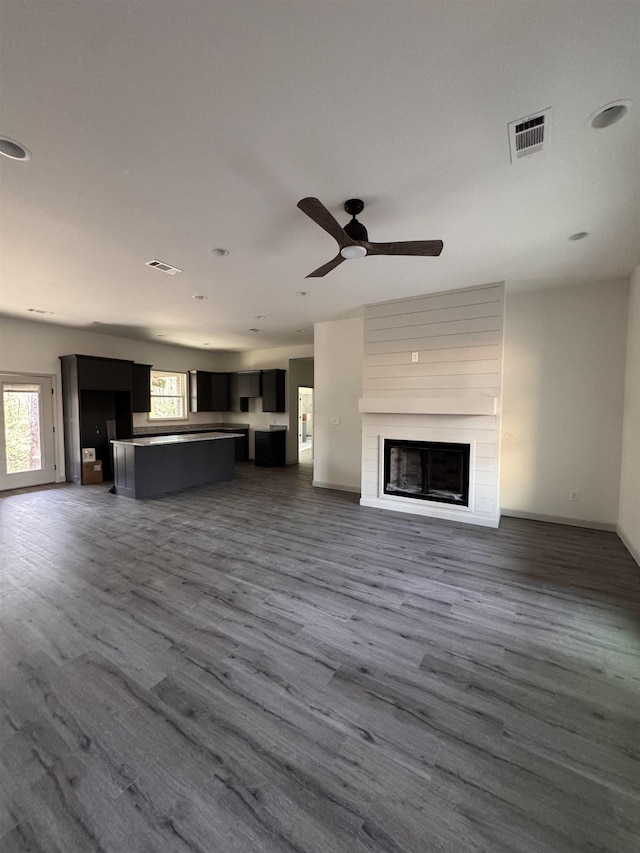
x,y
24,376
299,416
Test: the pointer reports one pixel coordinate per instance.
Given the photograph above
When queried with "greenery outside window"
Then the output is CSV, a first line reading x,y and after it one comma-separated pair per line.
x,y
168,396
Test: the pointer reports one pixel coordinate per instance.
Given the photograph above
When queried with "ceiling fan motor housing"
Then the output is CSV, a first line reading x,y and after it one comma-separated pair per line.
x,y
355,229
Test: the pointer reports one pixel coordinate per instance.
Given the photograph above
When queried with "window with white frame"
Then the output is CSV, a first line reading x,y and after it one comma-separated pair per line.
x,y
168,396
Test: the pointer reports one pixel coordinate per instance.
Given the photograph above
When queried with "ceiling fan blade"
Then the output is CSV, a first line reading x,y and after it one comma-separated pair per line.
x,y
316,210
323,270
426,248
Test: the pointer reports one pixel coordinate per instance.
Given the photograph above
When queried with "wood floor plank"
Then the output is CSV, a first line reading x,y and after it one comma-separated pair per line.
x,y
258,666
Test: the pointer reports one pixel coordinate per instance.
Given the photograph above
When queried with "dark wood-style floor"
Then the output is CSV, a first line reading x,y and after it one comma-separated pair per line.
x,y
260,667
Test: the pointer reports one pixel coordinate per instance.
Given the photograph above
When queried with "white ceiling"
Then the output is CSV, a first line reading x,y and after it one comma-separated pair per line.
x,y
162,129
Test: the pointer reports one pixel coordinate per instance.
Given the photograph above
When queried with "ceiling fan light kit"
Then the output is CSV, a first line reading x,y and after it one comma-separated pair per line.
x,y
350,253
353,239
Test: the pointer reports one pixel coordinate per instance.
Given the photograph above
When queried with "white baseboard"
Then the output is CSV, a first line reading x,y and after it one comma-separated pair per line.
x,y
336,487
557,519
628,544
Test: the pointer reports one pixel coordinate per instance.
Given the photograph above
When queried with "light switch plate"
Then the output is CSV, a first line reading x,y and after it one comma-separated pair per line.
x,y
414,357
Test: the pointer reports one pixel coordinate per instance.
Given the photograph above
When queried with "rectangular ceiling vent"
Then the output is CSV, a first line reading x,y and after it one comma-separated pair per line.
x,y
529,135
159,265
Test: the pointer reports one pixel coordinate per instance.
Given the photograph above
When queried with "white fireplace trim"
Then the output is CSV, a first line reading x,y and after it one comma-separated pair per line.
x,y
428,405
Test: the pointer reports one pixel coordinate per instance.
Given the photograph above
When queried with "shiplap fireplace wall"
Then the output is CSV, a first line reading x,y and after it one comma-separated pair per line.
x,y
449,392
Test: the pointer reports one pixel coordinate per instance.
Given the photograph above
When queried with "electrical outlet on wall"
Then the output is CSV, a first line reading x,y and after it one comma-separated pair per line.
x,y
574,495
335,420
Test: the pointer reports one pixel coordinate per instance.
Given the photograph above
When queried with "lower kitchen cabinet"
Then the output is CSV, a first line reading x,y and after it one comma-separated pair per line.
x,y
271,447
242,444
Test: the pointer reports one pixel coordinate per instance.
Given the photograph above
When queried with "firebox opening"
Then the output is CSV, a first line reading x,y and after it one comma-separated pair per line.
x,y
427,470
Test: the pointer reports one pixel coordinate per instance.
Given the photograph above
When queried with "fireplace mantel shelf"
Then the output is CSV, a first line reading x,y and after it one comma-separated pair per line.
x,y
428,405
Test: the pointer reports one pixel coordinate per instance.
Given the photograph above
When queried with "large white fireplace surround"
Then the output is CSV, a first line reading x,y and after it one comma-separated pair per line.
x,y
450,394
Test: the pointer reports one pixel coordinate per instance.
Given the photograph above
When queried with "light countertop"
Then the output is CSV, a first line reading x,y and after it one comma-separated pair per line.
x,y
153,441
178,429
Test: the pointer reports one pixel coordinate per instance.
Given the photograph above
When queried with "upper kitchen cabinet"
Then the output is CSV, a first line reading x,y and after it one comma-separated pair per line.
x,y
243,386
236,402
103,374
220,392
249,383
273,390
209,392
141,388
200,391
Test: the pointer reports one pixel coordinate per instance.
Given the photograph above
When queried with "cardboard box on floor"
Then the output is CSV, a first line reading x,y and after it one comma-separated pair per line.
x,y
91,473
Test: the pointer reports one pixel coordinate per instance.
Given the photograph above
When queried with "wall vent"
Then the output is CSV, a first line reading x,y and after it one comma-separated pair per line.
x,y
529,135
160,265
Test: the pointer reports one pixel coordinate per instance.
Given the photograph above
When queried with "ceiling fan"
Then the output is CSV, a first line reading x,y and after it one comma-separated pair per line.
x,y
353,240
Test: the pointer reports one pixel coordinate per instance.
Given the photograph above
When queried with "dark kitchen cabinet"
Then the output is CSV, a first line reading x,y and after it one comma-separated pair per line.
x,y
141,388
249,383
244,385
200,391
236,402
273,393
242,443
220,392
96,403
271,447
103,374
209,392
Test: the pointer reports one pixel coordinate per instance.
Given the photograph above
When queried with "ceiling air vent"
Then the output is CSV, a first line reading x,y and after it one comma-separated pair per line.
x,y
529,135
159,265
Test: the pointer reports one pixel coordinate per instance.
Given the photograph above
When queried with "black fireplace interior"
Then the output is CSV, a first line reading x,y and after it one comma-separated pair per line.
x,y
427,471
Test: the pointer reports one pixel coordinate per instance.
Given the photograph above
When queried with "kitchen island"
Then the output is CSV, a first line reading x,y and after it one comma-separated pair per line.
x,y
148,466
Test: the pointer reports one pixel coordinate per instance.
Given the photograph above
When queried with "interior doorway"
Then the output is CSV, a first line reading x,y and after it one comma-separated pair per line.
x,y
26,431
305,423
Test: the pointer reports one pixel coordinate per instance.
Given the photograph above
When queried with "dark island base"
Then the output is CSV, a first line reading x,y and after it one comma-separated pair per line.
x,y
142,472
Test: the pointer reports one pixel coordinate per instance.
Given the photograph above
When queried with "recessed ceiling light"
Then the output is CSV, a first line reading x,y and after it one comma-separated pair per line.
x,y
219,252
255,330
609,114
199,297
302,292
13,150
39,311
579,235
260,317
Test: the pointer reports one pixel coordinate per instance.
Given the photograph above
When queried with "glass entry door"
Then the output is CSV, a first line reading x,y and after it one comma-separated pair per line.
x,y
26,431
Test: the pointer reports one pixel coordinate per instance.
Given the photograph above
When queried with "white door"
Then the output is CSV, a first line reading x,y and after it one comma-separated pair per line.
x,y
26,431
